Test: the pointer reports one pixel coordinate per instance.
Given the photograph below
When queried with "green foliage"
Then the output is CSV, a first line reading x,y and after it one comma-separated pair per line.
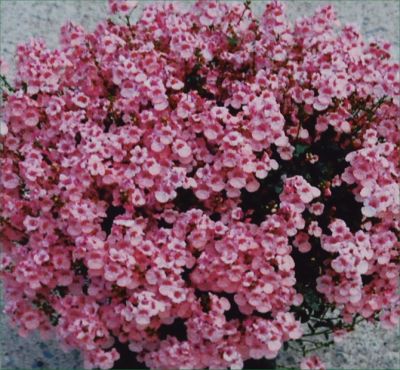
x,y
43,305
233,41
120,292
5,85
80,268
60,291
300,149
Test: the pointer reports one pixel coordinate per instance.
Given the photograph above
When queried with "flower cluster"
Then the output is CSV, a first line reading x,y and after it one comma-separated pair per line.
x,y
183,185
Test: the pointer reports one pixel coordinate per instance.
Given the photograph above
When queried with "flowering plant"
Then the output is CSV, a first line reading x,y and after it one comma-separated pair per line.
x,y
198,184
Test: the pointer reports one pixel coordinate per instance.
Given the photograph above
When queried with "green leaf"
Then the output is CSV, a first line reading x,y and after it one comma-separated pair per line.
x,y
6,84
312,300
60,291
278,189
330,324
233,41
54,318
300,149
79,267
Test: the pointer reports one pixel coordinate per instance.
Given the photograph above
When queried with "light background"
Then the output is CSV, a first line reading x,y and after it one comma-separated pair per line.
x,y
369,347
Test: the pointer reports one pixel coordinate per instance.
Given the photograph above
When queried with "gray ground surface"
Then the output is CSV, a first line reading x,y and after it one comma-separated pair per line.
x,y
369,347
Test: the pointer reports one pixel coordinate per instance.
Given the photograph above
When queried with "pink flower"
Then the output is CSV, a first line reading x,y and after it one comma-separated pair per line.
x,y
3,128
390,318
80,100
41,257
314,229
31,117
312,362
302,242
339,335
182,149
177,295
9,180
55,106
61,261
95,260
95,165
322,102
163,195
31,223
129,90
31,320
122,6
111,270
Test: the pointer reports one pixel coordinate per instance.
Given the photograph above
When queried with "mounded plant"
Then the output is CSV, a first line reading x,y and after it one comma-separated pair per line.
x,y
199,183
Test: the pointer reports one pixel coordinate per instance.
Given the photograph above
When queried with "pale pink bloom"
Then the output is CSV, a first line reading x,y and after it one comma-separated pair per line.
x,y
322,102
312,363
125,222
175,84
122,6
202,192
137,198
182,149
31,223
41,257
301,241
55,106
30,319
339,335
317,208
95,260
61,261
3,128
111,270
129,90
9,180
80,100
162,196
31,117
96,166
314,229
177,295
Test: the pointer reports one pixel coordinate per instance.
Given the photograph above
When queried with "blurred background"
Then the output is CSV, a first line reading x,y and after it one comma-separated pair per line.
x,y
369,347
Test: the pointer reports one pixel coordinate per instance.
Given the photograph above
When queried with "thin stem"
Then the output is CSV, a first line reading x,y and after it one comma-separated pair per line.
x,y
317,333
356,322
128,23
367,113
290,345
322,317
317,346
6,83
97,64
247,4
307,340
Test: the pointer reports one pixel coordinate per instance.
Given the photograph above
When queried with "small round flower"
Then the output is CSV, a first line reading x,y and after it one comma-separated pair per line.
x,y
31,320
312,362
